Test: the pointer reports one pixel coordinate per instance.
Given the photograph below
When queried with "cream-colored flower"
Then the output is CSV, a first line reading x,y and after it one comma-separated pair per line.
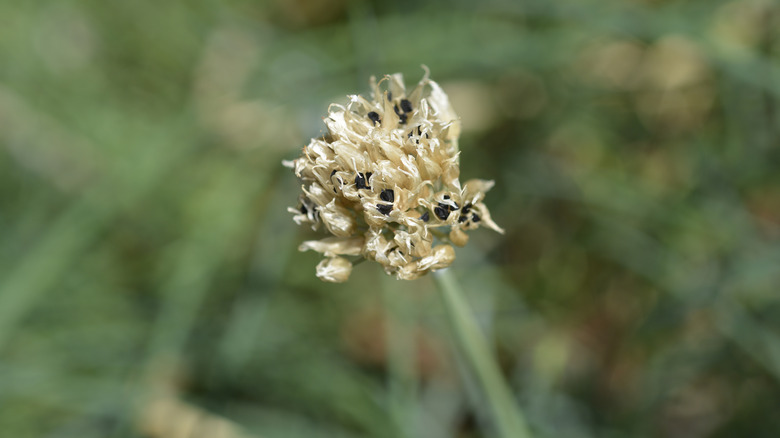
x,y
384,180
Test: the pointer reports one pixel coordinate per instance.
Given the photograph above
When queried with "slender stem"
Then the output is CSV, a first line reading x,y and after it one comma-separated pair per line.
x,y
503,408
400,342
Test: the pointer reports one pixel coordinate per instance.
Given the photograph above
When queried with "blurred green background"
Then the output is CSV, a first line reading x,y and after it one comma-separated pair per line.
x,y
150,284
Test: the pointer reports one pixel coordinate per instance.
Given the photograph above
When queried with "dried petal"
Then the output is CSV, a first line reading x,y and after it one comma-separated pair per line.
x,y
331,246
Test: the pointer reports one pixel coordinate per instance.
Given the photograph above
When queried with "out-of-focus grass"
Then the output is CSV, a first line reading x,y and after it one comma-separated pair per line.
x,y
147,261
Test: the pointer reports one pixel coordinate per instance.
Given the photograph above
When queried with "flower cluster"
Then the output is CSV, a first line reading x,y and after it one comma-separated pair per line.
x,y
384,182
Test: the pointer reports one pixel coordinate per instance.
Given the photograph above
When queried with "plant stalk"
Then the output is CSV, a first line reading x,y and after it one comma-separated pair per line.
x,y
503,409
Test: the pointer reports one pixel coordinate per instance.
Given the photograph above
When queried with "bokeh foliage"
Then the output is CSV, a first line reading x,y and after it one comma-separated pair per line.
x,y
149,278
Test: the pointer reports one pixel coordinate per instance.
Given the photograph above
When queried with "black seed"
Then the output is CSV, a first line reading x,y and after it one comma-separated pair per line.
x,y
406,105
368,175
361,181
401,116
387,195
475,218
384,208
374,117
419,131
303,209
463,218
409,135
389,95
448,207
425,217
446,196
467,208
333,173
441,213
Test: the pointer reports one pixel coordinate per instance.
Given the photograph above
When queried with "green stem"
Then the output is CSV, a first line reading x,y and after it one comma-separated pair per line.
x,y
503,408
400,342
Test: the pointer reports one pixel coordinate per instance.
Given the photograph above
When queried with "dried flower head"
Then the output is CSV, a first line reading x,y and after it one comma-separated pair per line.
x,y
384,182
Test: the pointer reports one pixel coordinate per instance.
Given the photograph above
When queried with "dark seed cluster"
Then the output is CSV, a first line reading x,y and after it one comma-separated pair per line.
x,y
443,209
441,212
404,111
385,209
362,180
406,105
387,195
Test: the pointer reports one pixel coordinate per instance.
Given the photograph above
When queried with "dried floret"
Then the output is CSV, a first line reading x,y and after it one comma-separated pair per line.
x,y
334,269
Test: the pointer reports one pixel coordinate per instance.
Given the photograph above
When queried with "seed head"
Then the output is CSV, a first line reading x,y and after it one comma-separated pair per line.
x,y
384,183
